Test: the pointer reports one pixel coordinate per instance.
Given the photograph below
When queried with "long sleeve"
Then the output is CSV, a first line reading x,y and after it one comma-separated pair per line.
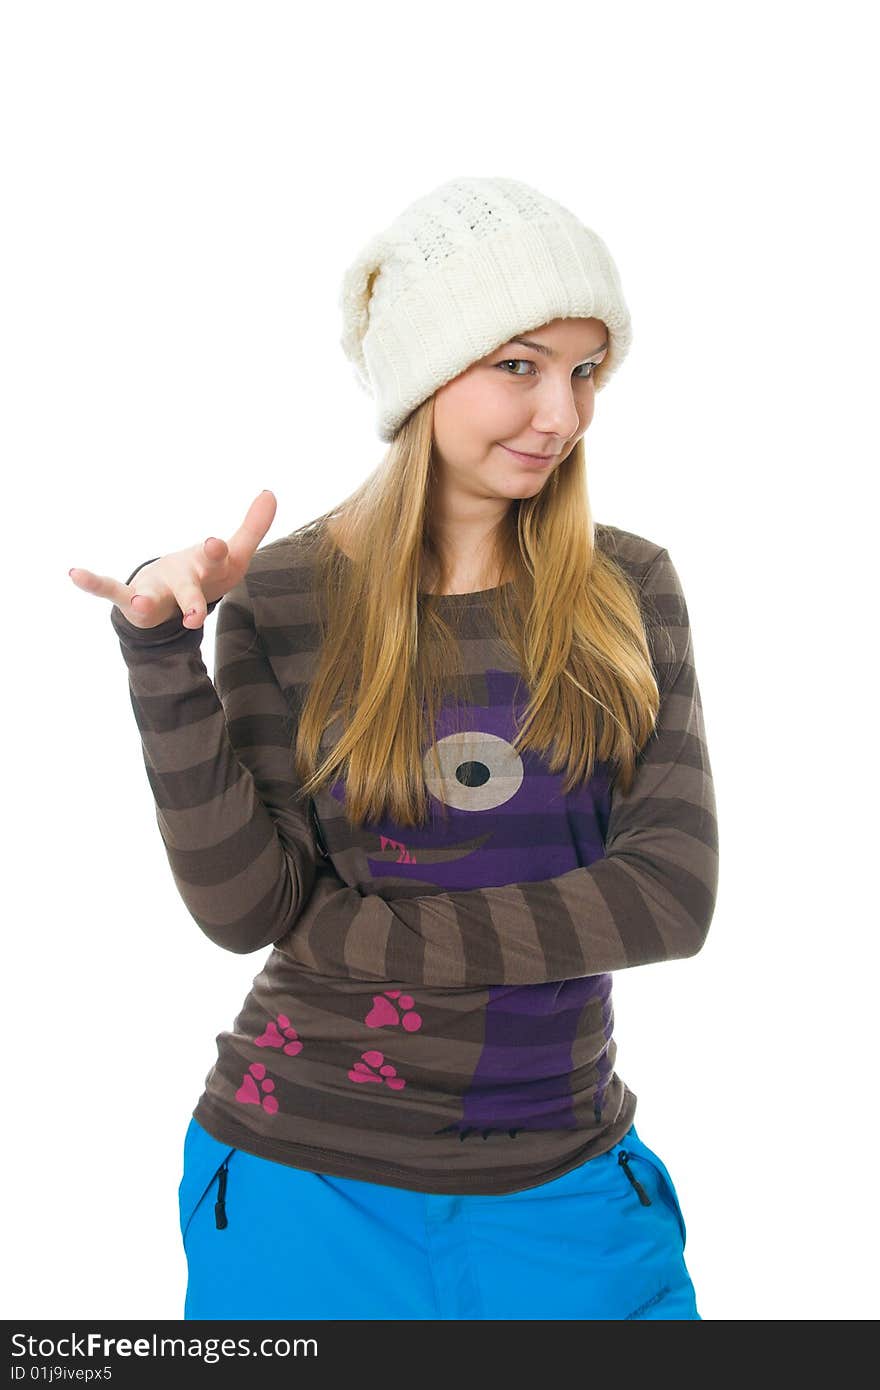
x,y
217,757
651,898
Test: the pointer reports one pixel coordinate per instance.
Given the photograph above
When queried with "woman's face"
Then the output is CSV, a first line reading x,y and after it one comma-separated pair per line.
x,y
517,398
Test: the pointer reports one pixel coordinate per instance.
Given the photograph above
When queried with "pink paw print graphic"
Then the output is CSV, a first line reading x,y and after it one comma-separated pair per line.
x,y
272,1037
250,1095
363,1071
383,1012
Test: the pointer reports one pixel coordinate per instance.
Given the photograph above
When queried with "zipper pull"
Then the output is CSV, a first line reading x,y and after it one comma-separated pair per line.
x,y
220,1204
623,1160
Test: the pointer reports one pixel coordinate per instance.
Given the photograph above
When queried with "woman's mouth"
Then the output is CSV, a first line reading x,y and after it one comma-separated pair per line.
x,y
532,460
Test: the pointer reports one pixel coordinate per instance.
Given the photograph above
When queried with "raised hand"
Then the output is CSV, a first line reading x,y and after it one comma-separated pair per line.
x,y
186,580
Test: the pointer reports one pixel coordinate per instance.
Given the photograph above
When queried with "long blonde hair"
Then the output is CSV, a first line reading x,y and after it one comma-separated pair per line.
x,y
565,608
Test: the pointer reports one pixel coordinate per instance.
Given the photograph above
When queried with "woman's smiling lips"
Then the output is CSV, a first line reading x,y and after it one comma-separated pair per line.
x,y
532,460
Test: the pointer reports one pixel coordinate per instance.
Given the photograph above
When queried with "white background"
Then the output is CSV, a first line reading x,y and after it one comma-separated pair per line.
x,y
184,185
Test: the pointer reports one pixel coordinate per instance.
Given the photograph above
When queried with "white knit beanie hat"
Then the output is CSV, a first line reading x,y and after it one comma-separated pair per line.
x,y
461,271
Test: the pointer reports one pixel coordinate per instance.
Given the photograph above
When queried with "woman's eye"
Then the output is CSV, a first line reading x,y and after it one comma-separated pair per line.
x,y
526,362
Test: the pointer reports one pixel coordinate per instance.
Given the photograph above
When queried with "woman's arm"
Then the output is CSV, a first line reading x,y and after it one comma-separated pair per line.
x,y
217,756
651,898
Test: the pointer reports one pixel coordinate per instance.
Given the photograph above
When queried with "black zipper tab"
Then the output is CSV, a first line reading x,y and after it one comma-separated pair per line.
x,y
623,1160
220,1204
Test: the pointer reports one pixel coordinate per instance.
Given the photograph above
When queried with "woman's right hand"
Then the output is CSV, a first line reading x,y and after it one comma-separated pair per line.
x,y
186,581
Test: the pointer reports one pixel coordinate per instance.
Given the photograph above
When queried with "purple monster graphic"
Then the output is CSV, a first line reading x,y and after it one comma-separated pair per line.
x,y
469,847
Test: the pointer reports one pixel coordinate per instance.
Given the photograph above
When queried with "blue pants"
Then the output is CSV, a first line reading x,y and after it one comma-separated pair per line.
x,y
288,1243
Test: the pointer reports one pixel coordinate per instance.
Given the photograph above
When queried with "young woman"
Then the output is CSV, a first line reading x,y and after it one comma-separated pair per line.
x,y
452,770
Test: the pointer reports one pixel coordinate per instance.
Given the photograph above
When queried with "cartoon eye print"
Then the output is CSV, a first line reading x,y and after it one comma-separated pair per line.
x,y
479,771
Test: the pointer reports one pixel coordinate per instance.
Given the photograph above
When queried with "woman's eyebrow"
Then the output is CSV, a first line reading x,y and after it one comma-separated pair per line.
x,y
548,351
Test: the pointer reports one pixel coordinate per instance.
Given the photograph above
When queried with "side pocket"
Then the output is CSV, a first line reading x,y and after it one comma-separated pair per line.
x,y
634,1155
217,1183
202,1173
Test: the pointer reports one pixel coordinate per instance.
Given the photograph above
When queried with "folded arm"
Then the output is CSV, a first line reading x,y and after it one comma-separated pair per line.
x,y
651,898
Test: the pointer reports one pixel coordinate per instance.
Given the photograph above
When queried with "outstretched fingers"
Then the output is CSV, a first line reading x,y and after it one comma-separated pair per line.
x,y
181,577
104,585
259,517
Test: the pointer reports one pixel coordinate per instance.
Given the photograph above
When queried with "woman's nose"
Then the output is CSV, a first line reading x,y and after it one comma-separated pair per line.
x,y
558,414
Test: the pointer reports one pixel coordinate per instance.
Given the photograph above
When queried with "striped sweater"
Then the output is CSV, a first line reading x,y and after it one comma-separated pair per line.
x,y
435,1011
